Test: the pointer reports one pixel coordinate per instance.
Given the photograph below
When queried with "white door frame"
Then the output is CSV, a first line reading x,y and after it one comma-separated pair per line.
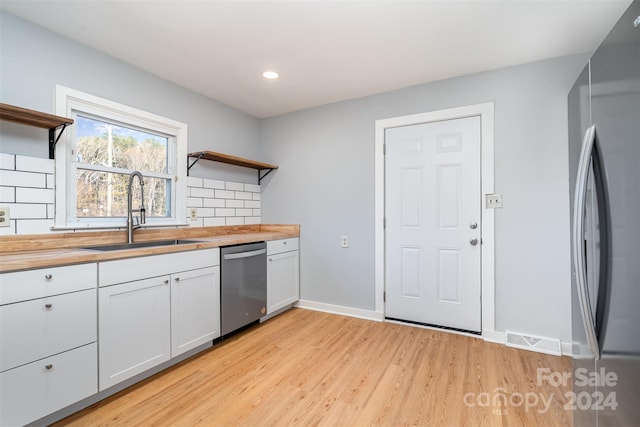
x,y
485,111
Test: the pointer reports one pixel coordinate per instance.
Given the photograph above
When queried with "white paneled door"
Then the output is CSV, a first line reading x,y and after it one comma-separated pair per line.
x,y
432,214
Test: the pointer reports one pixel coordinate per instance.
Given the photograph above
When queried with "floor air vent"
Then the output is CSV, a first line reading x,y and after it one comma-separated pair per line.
x,y
533,343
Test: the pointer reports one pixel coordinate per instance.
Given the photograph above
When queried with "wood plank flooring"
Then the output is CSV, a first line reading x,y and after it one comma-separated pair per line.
x,y
309,368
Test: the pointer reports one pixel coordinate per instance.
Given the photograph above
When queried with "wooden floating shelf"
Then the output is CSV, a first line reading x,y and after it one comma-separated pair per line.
x,y
231,160
34,118
24,116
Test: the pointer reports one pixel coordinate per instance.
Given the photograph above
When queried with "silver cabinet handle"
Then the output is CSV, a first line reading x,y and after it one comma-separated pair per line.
x,y
166,281
177,279
49,367
245,254
270,259
48,306
473,225
48,276
473,241
577,241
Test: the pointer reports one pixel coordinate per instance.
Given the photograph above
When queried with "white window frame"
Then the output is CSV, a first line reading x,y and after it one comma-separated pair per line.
x,y
68,101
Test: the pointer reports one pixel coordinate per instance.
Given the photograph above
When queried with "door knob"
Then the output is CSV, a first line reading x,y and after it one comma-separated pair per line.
x,y
473,225
473,241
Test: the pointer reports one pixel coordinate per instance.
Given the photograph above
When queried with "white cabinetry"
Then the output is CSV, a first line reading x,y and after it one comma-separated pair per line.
x,y
48,351
134,328
195,312
153,308
283,273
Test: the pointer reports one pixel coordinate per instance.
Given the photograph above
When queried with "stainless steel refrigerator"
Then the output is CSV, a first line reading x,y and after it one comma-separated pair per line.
x,y
604,162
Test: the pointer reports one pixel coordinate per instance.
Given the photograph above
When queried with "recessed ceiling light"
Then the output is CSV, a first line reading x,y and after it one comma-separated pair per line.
x,y
270,75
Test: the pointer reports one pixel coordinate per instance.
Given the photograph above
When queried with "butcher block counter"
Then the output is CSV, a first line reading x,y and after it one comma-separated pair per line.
x,y
25,252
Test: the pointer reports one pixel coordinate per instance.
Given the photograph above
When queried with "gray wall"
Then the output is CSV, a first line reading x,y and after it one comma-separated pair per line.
x,y
34,60
326,183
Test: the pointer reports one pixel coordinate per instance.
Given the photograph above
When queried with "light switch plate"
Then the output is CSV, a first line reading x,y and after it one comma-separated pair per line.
x,y
5,218
193,213
493,201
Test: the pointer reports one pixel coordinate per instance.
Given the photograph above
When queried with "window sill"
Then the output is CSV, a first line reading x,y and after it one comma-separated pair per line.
x,y
113,227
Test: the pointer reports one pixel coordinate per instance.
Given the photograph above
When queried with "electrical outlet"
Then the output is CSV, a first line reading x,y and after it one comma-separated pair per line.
x,y
193,214
344,241
5,218
493,201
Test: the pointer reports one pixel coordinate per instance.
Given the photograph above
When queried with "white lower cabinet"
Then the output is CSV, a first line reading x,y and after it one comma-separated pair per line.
x,y
195,308
40,388
48,349
283,273
134,328
143,323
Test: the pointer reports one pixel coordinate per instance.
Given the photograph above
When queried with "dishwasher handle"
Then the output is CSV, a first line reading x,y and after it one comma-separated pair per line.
x,y
245,254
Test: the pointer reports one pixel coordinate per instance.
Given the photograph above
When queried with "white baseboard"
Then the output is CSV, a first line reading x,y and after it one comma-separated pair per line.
x,y
340,309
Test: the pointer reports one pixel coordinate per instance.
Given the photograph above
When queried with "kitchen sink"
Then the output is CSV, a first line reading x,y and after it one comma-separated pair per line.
x,y
122,246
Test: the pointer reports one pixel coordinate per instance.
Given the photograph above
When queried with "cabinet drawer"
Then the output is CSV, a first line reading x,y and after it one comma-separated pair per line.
x,y
127,270
283,245
24,285
35,329
38,389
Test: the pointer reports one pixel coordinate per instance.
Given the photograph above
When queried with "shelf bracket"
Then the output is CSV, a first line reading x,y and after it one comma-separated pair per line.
x,y
261,177
189,166
53,140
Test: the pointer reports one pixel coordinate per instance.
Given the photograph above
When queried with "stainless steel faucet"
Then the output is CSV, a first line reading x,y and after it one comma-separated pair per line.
x,y
130,211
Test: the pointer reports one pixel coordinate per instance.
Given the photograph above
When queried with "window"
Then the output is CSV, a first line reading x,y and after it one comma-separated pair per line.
x,y
95,157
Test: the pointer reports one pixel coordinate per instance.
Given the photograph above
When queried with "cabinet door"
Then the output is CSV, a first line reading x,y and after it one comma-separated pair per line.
x,y
32,391
283,280
195,308
134,328
32,330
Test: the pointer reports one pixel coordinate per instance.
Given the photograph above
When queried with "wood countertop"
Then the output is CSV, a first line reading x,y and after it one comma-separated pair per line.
x,y
26,252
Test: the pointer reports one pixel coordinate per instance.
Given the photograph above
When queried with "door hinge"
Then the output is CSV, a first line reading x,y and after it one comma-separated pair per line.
x,y
384,149
384,296
384,222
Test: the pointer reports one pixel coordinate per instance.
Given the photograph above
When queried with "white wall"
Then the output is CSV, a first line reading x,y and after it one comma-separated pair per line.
x,y
33,60
326,183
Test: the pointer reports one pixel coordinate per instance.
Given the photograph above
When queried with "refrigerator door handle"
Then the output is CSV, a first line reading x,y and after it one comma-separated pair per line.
x,y
579,254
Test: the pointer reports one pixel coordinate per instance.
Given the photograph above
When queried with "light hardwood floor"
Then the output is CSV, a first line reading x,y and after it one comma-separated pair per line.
x,y
310,368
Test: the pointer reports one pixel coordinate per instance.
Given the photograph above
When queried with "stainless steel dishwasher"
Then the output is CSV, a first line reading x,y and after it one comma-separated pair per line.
x,y
243,291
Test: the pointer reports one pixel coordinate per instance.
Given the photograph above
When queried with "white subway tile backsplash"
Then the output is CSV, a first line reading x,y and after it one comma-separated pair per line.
x,y
34,164
214,183
8,231
34,195
234,220
194,182
252,220
214,203
33,226
256,212
224,194
243,195
201,192
204,212
236,186
244,212
194,202
234,203
27,210
198,222
7,161
22,179
225,212
214,222
252,204
51,182
252,188
256,196
7,194
51,211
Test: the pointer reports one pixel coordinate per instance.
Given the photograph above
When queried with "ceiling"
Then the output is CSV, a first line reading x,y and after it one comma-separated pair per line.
x,y
325,51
